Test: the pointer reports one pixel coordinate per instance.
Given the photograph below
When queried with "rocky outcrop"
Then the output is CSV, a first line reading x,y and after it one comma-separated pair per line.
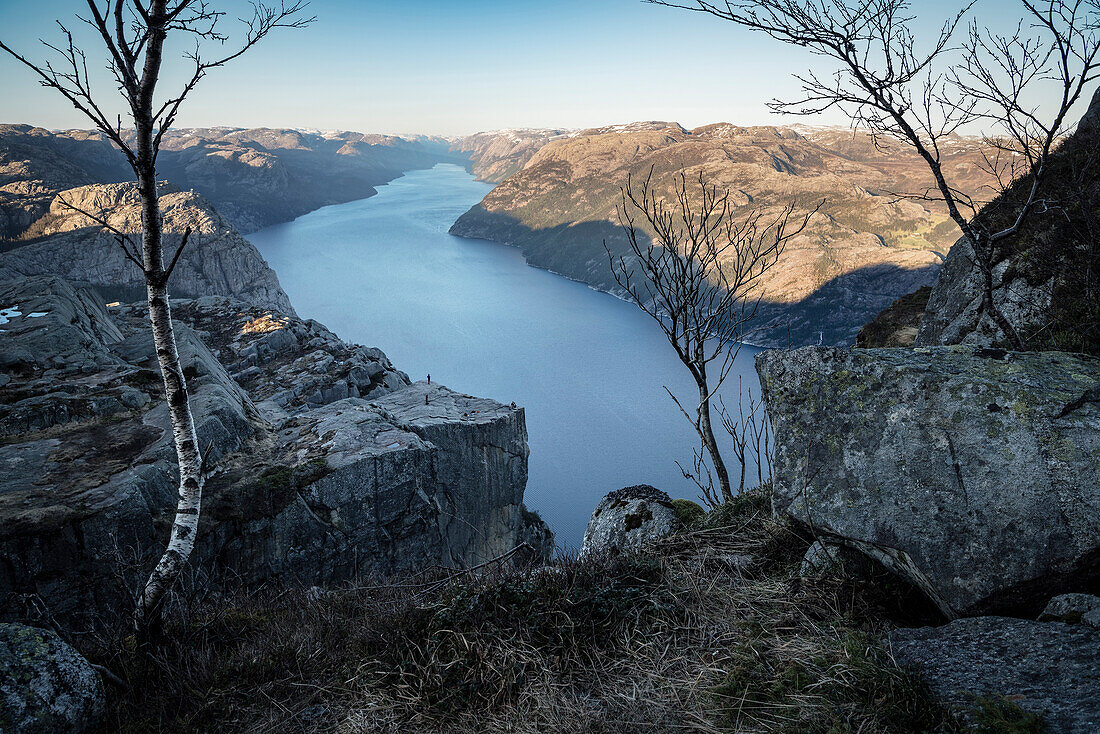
x,y
629,520
330,465
975,474
1049,669
897,325
1073,609
217,261
35,164
862,250
46,687
953,314
1044,275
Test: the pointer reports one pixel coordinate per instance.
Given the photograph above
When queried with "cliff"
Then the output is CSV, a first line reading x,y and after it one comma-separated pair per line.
x,y
862,250
217,261
330,464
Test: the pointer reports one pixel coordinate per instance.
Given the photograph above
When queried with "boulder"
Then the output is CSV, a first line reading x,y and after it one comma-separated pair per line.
x,y
820,559
1047,668
46,687
629,520
975,474
1073,609
953,314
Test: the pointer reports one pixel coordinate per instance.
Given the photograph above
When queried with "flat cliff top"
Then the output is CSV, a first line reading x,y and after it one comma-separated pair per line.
x,y
442,406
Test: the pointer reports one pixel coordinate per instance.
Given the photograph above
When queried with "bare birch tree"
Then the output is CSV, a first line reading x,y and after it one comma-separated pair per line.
x,y
888,85
133,33
696,269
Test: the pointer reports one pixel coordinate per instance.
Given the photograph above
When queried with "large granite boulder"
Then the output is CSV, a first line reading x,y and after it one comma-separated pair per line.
x,y
629,520
1046,668
330,464
954,316
46,687
975,474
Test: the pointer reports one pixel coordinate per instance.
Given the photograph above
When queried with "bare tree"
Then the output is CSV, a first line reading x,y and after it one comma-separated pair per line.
x,y
924,97
134,33
696,269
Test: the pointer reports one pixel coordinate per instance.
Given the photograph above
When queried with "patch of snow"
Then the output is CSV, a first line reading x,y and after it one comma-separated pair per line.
x,y
7,314
37,314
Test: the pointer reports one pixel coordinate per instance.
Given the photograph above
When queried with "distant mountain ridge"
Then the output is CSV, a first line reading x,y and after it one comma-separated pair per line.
x,y
863,249
254,177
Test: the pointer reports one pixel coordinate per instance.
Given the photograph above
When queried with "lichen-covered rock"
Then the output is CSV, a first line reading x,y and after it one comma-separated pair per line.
x,y
820,559
46,687
953,314
1073,609
974,474
1047,668
629,520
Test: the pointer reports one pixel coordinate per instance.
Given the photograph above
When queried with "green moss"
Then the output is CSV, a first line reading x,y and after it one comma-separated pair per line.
x,y
687,511
998,715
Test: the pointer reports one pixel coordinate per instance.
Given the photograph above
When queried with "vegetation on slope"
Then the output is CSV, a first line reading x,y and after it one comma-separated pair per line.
x,y
714,633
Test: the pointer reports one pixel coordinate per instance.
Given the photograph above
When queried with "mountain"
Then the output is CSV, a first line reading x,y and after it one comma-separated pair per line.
x,y
496,155
255,177
862,250
261,177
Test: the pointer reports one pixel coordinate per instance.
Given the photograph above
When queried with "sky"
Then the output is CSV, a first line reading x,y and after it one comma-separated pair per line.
x,y
453,67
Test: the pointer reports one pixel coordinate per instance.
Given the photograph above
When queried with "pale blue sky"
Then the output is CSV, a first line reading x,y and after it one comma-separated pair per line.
x,y
459,66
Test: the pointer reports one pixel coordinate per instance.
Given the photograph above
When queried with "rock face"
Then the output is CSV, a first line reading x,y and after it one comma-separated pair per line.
x,y
35,164
496,155
330,464
975,474
952,315
1047,668
1073,609
629,520
46,687
862,250
217,261
1043,275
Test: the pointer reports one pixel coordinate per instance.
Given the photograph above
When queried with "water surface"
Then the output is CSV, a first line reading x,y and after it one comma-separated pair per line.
x,y
588,368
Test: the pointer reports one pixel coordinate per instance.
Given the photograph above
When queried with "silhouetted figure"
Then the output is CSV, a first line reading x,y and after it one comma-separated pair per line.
x,y
429,378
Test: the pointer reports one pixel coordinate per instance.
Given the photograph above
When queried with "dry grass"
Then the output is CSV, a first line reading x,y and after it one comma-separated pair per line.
x,y
714,634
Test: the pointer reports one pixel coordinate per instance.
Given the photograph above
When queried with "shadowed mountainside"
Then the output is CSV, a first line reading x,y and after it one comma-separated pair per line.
x,y
560,209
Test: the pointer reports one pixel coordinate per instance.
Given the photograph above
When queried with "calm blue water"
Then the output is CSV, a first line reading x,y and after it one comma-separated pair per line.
x,y
588,368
